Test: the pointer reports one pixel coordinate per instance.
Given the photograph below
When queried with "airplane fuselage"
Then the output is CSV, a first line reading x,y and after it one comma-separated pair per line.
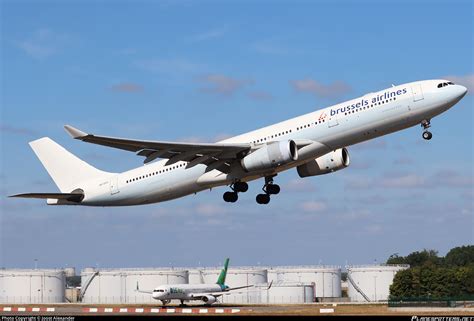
x,y
185,292
345,124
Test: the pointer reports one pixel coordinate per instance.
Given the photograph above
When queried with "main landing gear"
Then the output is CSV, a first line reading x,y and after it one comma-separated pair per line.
x,y
426,133
269,188
236,187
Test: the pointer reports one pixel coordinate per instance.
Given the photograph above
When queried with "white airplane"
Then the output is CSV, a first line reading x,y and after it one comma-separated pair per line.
x,y
314,143
208,293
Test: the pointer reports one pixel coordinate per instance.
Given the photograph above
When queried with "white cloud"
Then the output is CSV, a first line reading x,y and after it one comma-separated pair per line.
x,y
312,86
300,185
8,129
210,209
313,206
403,181
452,178
222,84
42,43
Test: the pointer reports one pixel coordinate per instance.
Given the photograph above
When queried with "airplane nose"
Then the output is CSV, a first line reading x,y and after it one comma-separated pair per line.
x,y
459,92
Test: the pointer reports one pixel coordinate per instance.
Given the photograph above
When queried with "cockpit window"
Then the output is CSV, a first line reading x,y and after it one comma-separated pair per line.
x,y
158,290
444,84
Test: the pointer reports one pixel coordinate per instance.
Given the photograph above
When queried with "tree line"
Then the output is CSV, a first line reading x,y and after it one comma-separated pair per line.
x,y
435,277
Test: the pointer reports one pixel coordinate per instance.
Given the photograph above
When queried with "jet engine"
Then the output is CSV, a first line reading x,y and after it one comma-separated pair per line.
x,y
270,155
325,164
208,299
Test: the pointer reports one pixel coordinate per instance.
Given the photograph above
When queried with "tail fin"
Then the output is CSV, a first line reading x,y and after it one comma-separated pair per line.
x,y
221,279
66,170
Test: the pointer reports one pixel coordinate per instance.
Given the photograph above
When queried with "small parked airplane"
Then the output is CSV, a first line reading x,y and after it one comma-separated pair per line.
x,y
208,293
314,143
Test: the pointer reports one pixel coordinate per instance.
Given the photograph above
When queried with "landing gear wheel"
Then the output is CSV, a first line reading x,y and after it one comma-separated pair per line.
x,y
241,187
272,189
263,198
165,302
427,135
230,197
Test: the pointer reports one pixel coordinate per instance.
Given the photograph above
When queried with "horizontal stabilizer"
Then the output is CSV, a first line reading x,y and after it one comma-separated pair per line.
x,y
71,197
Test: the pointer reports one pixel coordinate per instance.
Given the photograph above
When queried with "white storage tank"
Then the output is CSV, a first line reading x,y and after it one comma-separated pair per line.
x,y
371,282
236,277
119,285
32,286
195,276
287,293
327,279
272,275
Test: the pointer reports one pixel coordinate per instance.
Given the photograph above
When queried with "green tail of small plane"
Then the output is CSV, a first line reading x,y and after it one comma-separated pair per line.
x,y
221,279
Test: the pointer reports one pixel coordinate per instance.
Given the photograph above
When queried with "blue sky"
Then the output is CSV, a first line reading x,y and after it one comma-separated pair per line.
x,y
203,71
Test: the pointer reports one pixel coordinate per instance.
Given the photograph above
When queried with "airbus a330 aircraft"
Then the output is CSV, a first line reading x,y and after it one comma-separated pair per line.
x,y
208,293
314,143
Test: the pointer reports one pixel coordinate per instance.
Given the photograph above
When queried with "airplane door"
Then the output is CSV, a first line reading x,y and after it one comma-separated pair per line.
x,y
114,185
332,121
417,92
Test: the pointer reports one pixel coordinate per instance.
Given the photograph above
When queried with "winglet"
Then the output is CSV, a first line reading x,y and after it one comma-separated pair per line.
x,y
74,132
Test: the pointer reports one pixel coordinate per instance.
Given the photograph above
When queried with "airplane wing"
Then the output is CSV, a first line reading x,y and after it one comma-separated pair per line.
x,y
199,153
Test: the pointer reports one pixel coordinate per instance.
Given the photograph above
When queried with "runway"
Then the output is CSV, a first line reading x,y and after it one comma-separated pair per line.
x,y
70,309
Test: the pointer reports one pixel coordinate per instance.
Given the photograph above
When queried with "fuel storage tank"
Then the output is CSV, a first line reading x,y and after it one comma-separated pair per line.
x,y
287,293
120,285
327,279
369,283
32,286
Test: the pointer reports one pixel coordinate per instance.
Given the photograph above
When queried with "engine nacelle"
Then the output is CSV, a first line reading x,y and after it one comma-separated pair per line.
x,y
208,299
271,155
325,164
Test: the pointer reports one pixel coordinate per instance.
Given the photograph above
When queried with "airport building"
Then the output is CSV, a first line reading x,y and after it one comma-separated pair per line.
x,y
290,284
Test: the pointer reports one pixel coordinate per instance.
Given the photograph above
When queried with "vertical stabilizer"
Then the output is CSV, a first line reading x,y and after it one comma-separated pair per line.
x,y
221,279
66,170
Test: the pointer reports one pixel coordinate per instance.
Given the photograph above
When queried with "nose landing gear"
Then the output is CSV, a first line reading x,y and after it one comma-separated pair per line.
x,y
236,187
426,133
